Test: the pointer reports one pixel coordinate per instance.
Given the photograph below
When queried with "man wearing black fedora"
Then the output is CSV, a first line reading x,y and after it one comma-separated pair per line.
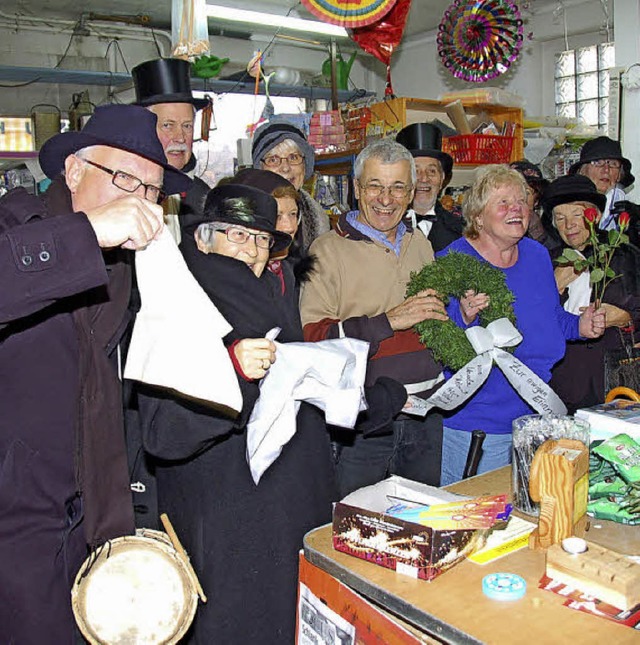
x,y
63,307
601,160
434,168
163,85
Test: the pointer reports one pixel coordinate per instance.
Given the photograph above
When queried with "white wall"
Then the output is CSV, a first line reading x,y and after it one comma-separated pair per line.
x,y
417,71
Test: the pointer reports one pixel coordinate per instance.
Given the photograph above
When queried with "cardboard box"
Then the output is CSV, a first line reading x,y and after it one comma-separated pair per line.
x,y
362,528
609,419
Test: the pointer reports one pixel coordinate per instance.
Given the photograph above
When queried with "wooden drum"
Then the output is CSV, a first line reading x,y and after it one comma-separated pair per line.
x,y
136,590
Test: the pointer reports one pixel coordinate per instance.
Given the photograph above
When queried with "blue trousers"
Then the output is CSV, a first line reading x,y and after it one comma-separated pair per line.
x,y
412,448
496,452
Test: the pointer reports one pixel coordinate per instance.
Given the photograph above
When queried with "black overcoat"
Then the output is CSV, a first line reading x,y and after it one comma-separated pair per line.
x,y
243,539
63,475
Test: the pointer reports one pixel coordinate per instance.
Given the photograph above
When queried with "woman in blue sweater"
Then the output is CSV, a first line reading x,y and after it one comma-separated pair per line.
x,y
496,220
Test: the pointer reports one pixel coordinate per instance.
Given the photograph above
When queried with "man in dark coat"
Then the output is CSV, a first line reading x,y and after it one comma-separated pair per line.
x,y
434,169
63,302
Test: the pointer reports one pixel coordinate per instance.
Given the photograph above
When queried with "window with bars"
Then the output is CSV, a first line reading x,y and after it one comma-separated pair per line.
x,y
582,83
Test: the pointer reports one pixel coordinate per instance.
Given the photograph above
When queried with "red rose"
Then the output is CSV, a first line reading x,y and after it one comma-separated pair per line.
x,y
591,215
623,219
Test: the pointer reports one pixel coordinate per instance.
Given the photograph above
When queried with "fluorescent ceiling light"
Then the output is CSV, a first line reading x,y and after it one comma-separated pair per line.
x,y
260,18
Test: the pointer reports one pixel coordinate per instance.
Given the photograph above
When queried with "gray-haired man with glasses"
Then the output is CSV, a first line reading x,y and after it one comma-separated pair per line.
x,y
357,290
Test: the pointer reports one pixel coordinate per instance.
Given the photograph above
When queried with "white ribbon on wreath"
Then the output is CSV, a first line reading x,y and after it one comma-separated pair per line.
x,y
487,343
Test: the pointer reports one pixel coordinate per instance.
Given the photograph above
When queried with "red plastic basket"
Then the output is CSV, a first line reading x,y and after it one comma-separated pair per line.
x,y
478,148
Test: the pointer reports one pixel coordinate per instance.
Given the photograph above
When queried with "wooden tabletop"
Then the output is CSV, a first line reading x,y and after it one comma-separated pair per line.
x,y
453,608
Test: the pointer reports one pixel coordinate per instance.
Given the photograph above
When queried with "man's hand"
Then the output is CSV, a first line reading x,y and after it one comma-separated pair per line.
x,y
129,222
592,322
422,306
255,356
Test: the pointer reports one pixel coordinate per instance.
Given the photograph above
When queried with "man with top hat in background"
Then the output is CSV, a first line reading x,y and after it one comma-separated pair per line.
x,y
601,160
434,168
163,86
63,308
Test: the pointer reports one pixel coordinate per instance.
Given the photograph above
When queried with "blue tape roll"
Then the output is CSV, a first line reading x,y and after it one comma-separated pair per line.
x,y
504,586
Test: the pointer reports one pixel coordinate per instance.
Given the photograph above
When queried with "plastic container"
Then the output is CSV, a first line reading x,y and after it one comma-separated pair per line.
x,y
475,149
529,433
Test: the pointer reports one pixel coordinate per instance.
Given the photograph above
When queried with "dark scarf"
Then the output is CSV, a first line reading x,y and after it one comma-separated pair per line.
x,y
100,316
251,305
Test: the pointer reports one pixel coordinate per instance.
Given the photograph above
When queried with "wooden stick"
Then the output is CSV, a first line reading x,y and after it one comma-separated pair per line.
x,y
168,527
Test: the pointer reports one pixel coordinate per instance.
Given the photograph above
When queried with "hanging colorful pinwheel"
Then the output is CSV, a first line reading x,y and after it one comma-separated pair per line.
x,y
479,39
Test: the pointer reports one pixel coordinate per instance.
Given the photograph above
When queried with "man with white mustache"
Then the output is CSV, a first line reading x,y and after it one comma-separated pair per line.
x,y
163,86
433,167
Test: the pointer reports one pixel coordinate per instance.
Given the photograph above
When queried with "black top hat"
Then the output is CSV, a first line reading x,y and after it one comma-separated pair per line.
x,y
259,211
164,80
425,140
572,188
604,148
127,127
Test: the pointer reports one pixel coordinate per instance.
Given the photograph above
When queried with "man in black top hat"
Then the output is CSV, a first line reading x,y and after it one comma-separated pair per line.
x,y
601,160
434,168
163,85
64,289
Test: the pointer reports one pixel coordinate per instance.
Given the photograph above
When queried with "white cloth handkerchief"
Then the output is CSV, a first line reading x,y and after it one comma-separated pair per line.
x,y
328,374
579,293
177,336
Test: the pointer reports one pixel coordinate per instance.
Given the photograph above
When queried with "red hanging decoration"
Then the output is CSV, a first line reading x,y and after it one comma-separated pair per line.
x,y
381,38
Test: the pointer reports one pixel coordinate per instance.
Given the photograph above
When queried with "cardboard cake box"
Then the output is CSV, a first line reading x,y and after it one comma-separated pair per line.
x,y
362,528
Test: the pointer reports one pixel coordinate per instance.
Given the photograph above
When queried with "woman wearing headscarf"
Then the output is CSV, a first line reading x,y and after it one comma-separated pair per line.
x,y
579,379
282,148
243,538
496,221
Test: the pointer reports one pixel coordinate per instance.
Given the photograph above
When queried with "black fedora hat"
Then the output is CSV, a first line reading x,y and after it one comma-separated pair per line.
x,y
126,127
531,173
263,179
572,188
164,80
604,148
261,214
425,140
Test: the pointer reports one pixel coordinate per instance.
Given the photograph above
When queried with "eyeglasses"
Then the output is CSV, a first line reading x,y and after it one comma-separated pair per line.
x,y
129,183
614,164
274,161
239,236
397,191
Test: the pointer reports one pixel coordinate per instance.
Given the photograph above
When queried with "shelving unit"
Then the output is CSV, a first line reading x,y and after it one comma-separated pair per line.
x,y
13,74
400,112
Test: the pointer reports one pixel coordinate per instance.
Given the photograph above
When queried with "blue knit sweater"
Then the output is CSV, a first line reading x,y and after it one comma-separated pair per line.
x,y
545,327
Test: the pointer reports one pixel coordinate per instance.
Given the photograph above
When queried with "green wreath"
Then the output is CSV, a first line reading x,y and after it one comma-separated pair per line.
x,y
452,275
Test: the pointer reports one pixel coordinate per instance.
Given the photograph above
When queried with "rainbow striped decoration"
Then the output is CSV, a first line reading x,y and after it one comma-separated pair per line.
x,y
349,14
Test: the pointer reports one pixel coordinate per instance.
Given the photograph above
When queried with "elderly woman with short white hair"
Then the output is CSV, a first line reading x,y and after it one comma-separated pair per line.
x,y
281,147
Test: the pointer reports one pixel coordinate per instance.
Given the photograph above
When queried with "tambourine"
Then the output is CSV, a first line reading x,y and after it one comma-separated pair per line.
x,y
135,589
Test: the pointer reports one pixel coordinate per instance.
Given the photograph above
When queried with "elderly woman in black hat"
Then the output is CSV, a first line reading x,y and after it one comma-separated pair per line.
x,y
243,538
434,171
282,148
579,378
601,160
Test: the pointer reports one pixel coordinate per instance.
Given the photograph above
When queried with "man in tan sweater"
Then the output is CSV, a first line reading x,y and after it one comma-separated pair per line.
x,y
357,290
